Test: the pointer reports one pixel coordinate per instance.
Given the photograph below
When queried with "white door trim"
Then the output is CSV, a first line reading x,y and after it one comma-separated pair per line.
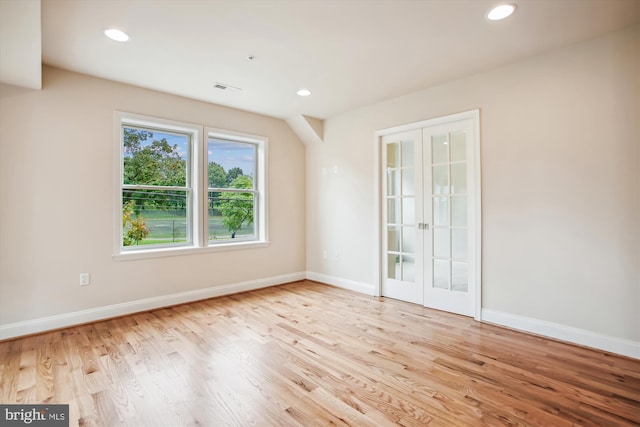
x,y
465,115
475,221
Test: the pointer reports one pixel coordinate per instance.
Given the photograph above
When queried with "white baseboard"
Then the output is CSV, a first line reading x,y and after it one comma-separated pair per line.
x,y
541,327
27,327
352,285
562,332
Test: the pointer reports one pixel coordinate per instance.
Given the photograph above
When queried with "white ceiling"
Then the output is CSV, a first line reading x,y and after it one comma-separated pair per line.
x,y
350,53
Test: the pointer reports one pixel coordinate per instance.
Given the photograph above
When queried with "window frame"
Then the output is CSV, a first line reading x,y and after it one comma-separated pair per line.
x,y
197,185
259,180
259,186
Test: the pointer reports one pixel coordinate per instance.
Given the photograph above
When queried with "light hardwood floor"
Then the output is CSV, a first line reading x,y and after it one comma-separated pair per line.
x,y
306,354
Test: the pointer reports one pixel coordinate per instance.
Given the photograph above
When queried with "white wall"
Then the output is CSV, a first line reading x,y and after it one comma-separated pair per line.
x,y
56,195
560,185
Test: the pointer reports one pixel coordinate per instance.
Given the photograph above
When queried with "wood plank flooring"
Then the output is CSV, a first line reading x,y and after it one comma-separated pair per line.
x,y
306,354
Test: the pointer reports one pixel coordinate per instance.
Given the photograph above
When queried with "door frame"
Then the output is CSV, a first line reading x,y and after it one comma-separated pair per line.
x,y
475,221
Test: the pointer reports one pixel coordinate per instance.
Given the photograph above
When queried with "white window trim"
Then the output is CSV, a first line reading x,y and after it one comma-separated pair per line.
x,y
199,184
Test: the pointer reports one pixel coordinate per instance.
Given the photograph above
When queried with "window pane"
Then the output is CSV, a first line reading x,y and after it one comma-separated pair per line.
x,y
393,266
154,217
408,210
458,146
440,150
440,274
393,239
151,157
408,268
408,182
441,242
459,210
408,240
459,244
231,216
459,178
407,153
459,277
393,155
393,212
229,163
393,183
441,211
441,179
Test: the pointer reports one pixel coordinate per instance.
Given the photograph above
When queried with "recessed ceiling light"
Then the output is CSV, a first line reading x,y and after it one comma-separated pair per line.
x,y
303,92
117,35
501,12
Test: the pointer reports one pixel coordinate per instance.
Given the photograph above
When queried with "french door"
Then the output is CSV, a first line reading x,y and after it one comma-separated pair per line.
x,y
403,266
430,214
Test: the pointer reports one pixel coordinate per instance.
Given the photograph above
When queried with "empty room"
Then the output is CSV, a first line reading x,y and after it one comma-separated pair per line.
x,y
319,212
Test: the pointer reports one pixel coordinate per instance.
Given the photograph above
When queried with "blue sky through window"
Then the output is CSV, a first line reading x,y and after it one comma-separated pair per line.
x,y
232,154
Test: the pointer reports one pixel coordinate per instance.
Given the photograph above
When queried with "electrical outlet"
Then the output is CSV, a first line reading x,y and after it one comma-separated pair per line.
x,y
85,279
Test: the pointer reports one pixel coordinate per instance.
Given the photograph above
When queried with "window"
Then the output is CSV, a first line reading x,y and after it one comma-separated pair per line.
x,y
184,188
156,187
232,194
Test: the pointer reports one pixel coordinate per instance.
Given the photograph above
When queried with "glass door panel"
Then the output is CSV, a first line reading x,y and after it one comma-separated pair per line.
x,y
458,145
440,274
408,210
439,148
458,178
440,179
393,266
459,244
441,243
393,239
408,268
408,182
393,155
393,182
459,211
459,276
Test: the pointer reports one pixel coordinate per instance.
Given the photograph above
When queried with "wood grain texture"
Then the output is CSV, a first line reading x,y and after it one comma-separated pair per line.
x,y
307,354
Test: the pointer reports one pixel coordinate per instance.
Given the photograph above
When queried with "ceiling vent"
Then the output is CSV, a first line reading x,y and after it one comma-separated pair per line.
x,y
224,86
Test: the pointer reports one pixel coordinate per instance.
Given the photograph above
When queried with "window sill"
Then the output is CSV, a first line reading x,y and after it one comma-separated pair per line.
x,y
187,250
